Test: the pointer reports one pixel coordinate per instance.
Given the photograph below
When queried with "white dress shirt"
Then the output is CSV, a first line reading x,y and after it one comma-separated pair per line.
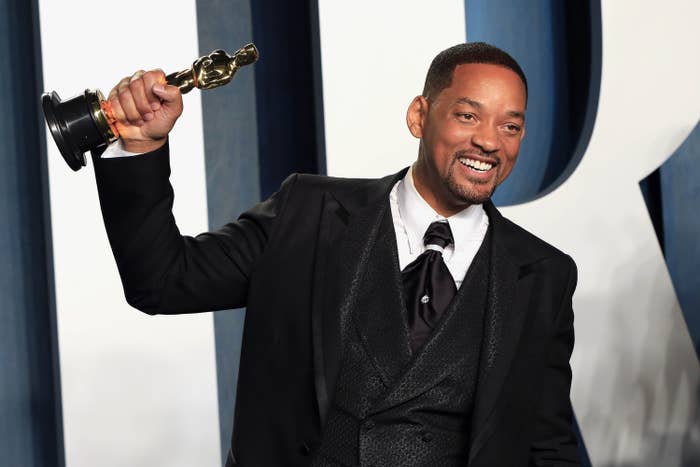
x,y
116,149
412,215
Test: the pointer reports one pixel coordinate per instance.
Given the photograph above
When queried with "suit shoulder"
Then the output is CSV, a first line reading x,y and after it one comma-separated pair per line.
x,y
337,185
326,182
537,248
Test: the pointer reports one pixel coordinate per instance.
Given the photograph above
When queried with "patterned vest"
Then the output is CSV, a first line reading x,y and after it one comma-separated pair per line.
x,y
420,415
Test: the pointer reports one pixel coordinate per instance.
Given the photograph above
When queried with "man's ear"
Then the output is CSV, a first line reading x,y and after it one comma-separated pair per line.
x,y
416,115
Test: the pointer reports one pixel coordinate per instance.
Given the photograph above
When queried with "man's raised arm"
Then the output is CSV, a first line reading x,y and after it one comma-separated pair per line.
x,y
162,271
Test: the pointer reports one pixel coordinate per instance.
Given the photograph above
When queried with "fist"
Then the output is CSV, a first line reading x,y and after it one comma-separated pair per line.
x,y
145,109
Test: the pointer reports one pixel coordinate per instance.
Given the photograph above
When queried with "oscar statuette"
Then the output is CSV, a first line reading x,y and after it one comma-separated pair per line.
x,y
85,122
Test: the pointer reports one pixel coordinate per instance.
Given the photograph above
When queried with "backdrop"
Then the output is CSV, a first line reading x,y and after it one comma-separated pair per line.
x,y
608,172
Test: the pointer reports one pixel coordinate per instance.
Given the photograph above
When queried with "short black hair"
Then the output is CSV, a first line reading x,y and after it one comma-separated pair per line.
x,y
443,65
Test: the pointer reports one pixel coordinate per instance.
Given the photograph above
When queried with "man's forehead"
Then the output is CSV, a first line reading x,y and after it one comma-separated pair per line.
x,y
472,84
474,72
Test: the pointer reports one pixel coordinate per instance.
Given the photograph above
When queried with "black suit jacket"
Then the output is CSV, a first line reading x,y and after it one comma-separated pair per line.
x,y
295,261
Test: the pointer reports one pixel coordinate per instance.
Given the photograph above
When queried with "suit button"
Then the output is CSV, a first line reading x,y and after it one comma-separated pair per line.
x,y
427,437
369,425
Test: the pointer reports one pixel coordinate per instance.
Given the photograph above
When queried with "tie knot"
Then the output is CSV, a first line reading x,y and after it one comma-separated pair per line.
x,y
438,234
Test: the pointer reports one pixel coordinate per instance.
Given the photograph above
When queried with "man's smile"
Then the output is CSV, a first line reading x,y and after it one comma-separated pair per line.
x,y
477,166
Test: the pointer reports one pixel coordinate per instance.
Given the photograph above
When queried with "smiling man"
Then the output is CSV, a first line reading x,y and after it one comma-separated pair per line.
x,y
470,128
393,322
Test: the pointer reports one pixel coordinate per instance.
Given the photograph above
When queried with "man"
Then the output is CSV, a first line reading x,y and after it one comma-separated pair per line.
x,y
399,321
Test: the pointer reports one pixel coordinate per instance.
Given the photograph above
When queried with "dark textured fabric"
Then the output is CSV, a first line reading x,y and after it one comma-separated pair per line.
x,y
428,285
302,283
419,415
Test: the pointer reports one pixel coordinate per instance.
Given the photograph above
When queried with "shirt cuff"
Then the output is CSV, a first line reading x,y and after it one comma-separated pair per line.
x,y
116,149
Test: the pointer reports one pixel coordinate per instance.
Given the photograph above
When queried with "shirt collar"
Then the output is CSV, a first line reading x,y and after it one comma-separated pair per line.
x,y
417,215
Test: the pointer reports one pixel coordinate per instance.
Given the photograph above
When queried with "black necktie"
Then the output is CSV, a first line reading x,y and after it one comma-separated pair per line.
x,y
428,284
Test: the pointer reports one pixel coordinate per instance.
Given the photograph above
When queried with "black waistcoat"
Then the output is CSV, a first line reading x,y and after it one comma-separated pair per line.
x,y
392,408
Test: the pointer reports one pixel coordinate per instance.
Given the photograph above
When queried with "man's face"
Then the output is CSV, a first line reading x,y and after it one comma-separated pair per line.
x,y
470,136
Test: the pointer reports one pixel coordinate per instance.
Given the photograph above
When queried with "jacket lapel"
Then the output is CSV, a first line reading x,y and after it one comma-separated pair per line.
x,y
377,308
334,218
349,227
508,298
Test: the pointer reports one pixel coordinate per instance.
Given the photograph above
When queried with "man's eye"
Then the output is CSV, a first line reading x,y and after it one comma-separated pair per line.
x,y
466,117
513,129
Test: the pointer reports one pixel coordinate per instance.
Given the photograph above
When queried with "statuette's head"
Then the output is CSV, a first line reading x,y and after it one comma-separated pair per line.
x,y
246,55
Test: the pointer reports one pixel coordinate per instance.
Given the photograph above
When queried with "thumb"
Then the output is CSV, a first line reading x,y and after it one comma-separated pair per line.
x,y
171,100
170,95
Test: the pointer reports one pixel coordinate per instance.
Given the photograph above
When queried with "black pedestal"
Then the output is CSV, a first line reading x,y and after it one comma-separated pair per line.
x,y
73,125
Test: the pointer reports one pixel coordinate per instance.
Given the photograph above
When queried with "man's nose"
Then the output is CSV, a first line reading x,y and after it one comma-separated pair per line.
x,y
486,138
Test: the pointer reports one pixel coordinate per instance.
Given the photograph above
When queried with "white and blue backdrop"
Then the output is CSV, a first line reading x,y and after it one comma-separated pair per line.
x,y
609,172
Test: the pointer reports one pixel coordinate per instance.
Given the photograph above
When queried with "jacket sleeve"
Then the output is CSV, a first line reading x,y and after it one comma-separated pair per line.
x,y
162,271
554,442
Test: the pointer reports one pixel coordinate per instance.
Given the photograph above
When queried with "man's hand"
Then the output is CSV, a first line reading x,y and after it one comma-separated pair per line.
x,y
146,109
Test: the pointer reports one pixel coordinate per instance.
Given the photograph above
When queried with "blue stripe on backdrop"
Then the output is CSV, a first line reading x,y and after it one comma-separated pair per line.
x,y
257,131
231,161
30,411
288,109
680,197
672,194
558,45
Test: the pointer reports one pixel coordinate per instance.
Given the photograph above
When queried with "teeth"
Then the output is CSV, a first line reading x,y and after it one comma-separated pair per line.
x,y
477,165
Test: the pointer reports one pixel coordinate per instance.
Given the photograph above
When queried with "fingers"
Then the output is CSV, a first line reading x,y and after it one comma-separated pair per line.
x,y
127,91
133,101
145,108
115,104
142,106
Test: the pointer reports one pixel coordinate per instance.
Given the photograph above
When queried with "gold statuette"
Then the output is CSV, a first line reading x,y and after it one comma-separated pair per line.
x,y
85,122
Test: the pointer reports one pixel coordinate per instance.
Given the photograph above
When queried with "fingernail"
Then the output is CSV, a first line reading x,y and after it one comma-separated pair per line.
x,y
159,87
148,117
155,105
139,122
